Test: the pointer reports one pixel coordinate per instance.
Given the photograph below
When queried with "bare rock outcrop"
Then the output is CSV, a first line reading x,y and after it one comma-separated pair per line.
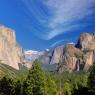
x,y
74,57
87,46
56,55
47,56
10,52
81,56
86,42
70,59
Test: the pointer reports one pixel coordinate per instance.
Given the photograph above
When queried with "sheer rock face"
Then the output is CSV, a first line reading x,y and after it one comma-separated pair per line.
x,y
88,60
86,42
74,57
82,57
70,59
10,52
46,57
57,54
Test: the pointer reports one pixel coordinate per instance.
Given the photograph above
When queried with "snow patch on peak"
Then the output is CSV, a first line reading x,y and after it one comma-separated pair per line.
x,y
32,55
31,52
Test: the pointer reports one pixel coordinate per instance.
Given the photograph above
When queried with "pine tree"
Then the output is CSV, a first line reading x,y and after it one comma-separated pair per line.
x,y
51,86
35,82
67,88
6,86
18,88
91,80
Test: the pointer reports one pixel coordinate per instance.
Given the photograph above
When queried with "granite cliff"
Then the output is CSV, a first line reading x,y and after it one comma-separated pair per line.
x,y
69,57
10,52
72,57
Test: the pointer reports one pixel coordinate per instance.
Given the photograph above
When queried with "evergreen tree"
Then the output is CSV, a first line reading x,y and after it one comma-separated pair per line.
x,y
35,82
91,80
67,88
18,88
51,86
6,86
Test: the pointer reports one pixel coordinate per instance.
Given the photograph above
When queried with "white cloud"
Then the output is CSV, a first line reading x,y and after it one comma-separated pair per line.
x,y
61,42
64,16
66,12
64,29
58,42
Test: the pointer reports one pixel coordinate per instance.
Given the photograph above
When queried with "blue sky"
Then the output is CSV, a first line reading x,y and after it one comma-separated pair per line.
x,y
41,24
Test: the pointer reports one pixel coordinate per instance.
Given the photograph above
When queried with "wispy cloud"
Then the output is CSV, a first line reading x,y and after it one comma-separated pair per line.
x,y
58,42
65,16
62,42
64,29
65,13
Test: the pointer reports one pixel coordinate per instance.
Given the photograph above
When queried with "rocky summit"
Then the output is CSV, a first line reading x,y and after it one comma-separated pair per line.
x,y
73,57
10,52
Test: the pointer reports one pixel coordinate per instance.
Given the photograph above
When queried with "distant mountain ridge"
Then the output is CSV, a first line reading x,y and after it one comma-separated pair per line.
x,y
69,57
73,57
31,55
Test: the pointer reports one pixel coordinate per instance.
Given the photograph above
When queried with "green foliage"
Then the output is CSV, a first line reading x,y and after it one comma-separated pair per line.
x,y
49,67
35,82
18,88
51,86
76,84
39,82
91,79
6,86
67,88
69,82
9,86
13,73
7,70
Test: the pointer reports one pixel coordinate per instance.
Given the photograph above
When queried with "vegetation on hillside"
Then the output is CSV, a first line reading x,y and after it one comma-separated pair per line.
x,y
39,82
13,73
91,81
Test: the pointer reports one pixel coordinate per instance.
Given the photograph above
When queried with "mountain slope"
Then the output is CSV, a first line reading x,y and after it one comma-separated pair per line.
x,y
8,70
72,57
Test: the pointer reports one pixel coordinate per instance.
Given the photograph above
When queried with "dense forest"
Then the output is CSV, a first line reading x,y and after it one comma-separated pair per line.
x,y
40,82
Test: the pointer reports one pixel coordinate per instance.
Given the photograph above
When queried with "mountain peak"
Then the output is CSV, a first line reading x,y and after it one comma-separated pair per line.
x,y
73,57
87,41
10,52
